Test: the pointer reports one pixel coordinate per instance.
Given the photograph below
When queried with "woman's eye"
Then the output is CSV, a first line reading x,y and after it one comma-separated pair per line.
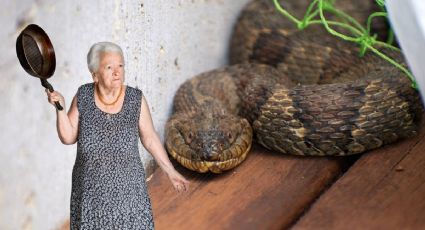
x,y
108,67
121,65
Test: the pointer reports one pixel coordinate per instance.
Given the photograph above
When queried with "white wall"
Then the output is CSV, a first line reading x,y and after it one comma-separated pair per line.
x,y
408,21
165,42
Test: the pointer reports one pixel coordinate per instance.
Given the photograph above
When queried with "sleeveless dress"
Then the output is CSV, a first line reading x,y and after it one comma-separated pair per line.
x,y
108,180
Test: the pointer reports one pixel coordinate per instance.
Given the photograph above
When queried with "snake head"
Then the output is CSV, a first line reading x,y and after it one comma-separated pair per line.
x,y
208,143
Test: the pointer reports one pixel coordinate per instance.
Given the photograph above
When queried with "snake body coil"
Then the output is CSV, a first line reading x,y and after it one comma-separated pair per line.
x,y
301,92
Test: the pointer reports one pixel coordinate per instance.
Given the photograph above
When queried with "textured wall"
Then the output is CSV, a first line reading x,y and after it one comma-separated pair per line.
x,y
165,42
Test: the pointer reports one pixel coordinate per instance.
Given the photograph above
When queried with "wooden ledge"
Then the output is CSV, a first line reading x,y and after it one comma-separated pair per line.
x,y
383,189
267,191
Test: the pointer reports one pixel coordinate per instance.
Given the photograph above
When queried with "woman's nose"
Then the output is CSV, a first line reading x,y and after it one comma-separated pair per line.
x,y
115,71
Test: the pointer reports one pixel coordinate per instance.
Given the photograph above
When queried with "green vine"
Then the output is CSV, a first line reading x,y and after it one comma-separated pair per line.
x,y
360,35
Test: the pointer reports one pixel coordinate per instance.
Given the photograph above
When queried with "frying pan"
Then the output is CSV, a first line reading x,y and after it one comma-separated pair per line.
x,y
36,55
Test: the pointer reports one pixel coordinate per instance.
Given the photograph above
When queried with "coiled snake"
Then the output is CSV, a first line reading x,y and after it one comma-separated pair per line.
x,y
301,92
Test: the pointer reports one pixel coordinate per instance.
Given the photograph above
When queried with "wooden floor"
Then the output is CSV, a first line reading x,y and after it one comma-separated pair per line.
x,y
383,189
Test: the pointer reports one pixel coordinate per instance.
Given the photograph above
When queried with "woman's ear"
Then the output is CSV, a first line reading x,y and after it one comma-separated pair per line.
x,y
94,76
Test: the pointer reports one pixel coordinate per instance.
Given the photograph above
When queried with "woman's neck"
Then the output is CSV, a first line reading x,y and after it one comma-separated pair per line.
x,y
108,96
109,92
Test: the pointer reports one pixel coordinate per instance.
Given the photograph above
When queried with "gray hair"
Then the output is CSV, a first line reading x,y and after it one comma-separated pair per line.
x,y
93,57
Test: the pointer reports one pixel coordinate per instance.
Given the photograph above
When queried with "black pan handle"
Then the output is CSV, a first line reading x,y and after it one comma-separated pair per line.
x,y
48,86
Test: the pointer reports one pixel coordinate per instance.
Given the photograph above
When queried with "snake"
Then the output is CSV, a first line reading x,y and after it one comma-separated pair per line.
x,y
298,92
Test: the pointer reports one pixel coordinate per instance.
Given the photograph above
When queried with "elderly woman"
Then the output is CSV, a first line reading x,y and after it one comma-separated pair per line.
x,y
106,118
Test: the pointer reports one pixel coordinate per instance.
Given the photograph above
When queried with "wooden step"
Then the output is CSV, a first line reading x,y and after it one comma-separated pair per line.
x,y
384,189
267,191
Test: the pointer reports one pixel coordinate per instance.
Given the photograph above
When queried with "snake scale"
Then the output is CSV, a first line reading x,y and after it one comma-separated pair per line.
x,y
300,92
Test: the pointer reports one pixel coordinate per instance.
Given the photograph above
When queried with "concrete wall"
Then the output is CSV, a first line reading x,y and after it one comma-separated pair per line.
x,y
165,42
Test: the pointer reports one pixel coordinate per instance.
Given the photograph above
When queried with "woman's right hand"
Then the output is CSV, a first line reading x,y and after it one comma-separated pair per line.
x,y
55,96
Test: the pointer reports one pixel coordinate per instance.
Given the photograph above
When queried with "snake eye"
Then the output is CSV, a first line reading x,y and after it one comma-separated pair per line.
x,y
189,137
229,135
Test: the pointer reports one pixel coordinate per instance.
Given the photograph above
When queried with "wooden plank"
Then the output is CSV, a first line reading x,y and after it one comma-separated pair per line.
x,y
384,189
268,191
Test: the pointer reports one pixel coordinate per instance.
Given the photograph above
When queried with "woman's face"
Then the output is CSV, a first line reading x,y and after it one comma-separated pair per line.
x,y
110,73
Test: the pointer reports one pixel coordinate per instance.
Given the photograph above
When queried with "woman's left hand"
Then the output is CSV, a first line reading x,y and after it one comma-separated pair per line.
x,y
179,182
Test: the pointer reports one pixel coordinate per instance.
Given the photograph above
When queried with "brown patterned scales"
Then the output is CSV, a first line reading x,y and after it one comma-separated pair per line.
x,y
303,92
